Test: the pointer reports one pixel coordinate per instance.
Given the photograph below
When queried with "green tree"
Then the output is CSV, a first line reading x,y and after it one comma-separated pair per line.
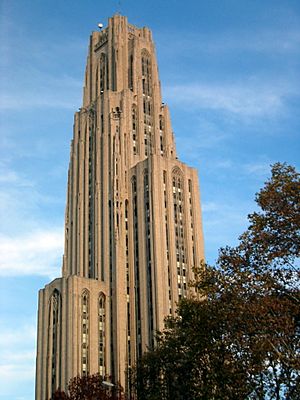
x,y
239,337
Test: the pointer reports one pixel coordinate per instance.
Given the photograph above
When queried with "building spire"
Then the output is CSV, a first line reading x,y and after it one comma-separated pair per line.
x,y
119,8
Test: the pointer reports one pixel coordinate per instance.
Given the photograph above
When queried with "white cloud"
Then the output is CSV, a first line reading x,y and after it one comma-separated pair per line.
x,y
197,137
35,253
267,41
275,41
44,91
20,357
16,373
8,177
23,208
39,80
17,362
209,207
258,168
29,100
31,243
12,177
223,164
245,99
14,338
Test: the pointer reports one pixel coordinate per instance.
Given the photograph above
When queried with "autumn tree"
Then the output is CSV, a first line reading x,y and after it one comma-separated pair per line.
x,y
90,387
60,395
239,336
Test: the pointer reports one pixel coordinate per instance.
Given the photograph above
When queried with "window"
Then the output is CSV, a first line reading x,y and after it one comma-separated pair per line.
x,y
102,73
136,265
134,130
85,332
128,284
101,328
147,99
130,72
180,240
54,336
147,222
161,134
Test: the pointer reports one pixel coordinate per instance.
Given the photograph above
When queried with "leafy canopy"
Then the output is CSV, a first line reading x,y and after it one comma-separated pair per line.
x,y
90,387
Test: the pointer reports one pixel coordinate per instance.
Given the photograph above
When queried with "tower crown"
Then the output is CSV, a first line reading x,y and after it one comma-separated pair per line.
x,y
121,123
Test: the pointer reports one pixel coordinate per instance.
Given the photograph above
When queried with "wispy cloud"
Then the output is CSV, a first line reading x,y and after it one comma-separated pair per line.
x,y
257,170
41,91
22,204
15,337
209,207
203,135
223,164
39,80
267,41
260,168
271,40
29,100
243,99
10,177
29,245
35,253
17,362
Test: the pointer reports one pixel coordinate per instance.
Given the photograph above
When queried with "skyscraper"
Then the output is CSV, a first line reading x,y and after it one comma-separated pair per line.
x,y
133,223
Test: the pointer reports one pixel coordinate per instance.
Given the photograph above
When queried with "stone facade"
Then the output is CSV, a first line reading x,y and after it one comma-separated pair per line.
x,y
133,226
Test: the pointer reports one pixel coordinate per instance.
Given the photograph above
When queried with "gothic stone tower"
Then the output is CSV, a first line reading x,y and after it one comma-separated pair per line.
x,y
133,224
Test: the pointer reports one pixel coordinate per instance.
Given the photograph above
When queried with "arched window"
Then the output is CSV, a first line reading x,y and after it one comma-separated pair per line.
x,y
136,266
102,73
161,133
130,72
101,322
192,221
134,130
85,317
147,211
54,339
97,82
179,226
167,239
147,99
127,284
146,72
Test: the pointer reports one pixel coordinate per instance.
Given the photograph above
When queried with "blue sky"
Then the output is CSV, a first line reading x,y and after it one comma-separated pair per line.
x,y
230,74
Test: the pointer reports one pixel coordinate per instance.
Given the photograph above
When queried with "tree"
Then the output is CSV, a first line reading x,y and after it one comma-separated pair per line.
x,y
90,387
60,395
239,337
